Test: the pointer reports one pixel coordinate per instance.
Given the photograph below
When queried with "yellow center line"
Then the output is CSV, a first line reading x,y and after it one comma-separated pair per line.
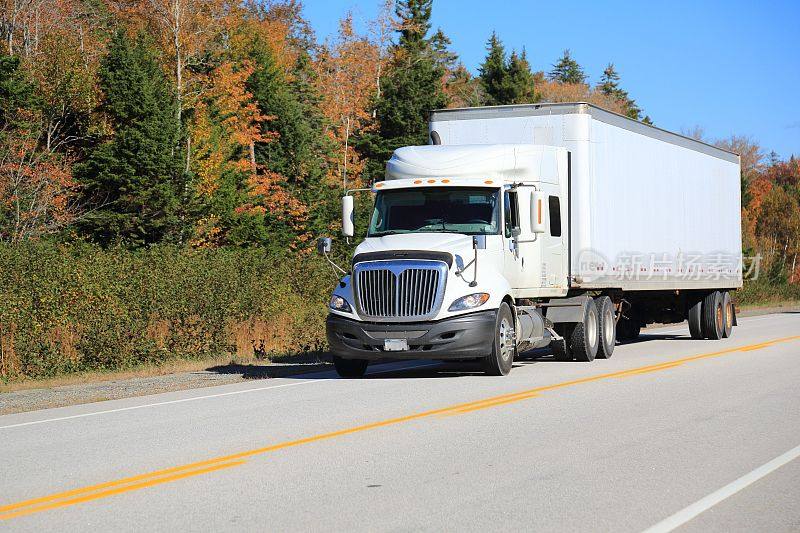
x,y
110,488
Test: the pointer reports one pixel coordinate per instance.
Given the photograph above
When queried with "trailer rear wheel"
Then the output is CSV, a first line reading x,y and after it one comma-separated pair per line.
x,y
713,316
695,318
504,347
607,327
350,368
728,312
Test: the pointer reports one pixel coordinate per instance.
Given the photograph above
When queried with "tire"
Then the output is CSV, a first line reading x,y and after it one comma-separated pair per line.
x,y
504,347
350,368
695,317
607,328
585,338
627,329
713,316
727,314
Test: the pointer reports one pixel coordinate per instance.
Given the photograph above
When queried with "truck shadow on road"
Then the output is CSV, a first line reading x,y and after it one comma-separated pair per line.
x,y
321,367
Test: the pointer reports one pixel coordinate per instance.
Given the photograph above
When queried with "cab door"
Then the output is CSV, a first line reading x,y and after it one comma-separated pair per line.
x,y
513,260
554,241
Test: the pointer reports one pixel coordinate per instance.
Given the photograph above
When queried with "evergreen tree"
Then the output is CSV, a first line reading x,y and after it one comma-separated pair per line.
x,y
567,70
299,155
520,81
609,85
135,180
16,93
412,88
506,81
494,71
609,82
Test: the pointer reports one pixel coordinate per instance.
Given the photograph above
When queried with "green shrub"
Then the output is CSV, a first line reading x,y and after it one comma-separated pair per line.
x,y
68,308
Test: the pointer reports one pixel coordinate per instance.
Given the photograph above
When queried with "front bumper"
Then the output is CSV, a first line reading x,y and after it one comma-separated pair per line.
x,y
462,337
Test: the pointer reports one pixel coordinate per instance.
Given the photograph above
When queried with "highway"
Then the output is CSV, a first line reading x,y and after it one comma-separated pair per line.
x,y
669,433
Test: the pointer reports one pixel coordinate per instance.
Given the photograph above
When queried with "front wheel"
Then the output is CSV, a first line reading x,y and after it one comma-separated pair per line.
x,y
504,347
350,368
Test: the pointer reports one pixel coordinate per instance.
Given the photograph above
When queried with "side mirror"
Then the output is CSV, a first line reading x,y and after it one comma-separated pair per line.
x,y
538,218
347,216
324,245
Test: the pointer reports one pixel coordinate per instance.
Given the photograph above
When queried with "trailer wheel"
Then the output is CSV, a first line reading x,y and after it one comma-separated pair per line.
x,y
585,338
504,347
728,313
350,368
713,316
695,318
606,326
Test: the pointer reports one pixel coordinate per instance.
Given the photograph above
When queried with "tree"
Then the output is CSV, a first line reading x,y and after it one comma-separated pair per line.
x,y
346,69
412,88
567,70
494,71
37,191
135,180
520,80
609,86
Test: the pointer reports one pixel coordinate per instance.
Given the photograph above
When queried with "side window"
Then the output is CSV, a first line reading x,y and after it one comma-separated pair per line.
x,y
510,212
555,216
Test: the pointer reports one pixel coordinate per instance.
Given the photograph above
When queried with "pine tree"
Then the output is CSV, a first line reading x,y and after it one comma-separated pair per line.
x,y
609,85
412,88
16,93
135,180
520,81
609,82
494,71
567,70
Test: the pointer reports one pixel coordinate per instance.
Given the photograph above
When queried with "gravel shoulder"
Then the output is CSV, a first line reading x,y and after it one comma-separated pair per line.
x,y
97,388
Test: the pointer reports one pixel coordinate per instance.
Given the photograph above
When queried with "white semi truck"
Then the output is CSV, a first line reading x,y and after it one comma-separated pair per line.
x,y
526,226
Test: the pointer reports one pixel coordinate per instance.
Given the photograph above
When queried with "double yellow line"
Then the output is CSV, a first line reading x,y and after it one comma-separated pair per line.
x,y
111,488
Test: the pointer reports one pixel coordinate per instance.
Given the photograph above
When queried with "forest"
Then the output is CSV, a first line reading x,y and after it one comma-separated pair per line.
x,y
165,166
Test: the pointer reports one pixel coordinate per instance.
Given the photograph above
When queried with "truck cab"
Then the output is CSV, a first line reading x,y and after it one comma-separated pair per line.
x,y
457,236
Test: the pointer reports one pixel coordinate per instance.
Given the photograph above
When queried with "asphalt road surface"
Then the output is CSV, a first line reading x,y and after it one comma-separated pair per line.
x,y
670,432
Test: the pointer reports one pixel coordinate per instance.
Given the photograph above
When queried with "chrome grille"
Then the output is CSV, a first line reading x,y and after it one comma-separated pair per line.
x,y
399,290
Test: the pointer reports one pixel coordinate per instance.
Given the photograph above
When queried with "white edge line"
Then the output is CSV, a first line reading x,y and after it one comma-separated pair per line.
x,y
207,396
688,513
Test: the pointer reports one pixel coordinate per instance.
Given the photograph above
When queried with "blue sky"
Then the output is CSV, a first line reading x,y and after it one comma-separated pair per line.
x,y
729,67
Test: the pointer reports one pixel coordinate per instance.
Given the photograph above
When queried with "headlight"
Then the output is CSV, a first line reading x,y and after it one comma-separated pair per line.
x,y
470,301
340,304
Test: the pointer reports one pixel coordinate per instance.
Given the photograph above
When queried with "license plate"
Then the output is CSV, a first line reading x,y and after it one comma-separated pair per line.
x,y
395,345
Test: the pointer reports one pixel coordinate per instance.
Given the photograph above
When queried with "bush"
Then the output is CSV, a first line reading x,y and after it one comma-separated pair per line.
x,y
69,308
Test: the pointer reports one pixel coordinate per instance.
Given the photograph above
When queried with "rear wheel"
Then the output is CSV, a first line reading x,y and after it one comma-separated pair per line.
x,y
504,347
695,318
350,368
607,328
713,316
728,313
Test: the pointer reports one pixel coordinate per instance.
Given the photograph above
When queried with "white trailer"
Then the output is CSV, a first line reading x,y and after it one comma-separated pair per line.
x,y
532,225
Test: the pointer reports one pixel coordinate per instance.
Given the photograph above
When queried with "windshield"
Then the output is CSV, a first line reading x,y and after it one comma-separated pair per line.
x,y
472,211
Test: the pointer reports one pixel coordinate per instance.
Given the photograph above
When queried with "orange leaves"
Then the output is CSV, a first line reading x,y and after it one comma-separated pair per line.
x,y
347,71
36,187
227,125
